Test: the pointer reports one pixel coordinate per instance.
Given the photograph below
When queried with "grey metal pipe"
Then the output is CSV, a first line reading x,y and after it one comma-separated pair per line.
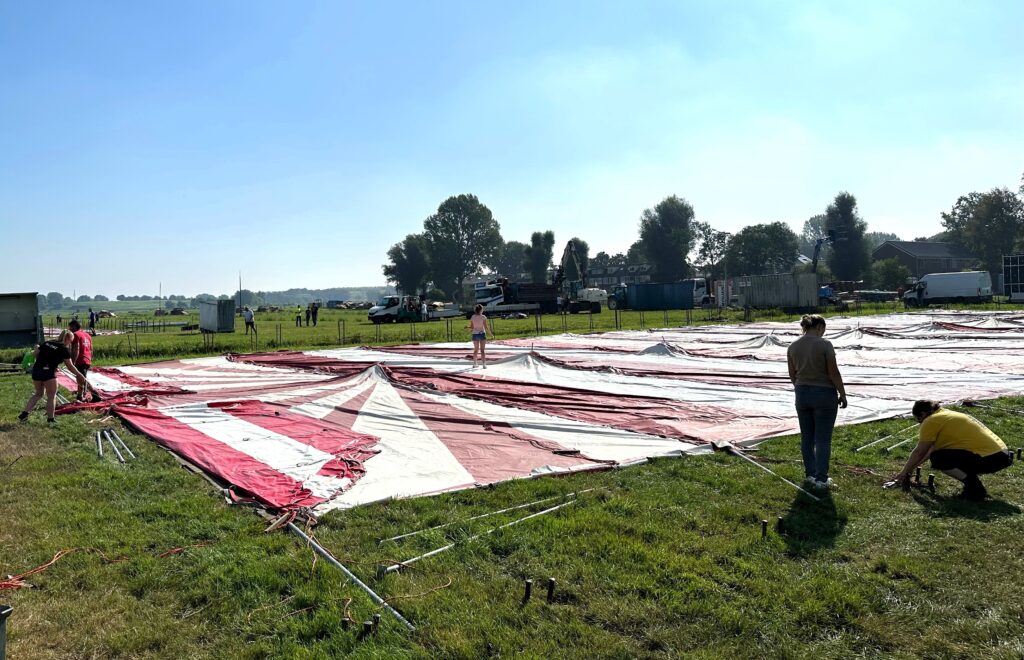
x,y
113,446
485,515
891,435
398,567
118,438
350,575
5,611
99,445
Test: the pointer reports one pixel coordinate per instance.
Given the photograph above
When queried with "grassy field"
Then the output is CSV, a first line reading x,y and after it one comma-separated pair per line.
x,y
665,560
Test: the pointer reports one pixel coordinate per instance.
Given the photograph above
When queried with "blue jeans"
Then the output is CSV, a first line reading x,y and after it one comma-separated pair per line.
x,y
816,408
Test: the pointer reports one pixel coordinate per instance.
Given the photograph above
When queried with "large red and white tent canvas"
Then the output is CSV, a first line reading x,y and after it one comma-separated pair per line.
x,y
342,427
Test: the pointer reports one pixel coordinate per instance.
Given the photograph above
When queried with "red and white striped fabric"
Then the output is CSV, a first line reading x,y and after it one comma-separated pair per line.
x,y
342,427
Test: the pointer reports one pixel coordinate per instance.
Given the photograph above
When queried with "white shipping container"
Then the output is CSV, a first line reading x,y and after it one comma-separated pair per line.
x,y
783,290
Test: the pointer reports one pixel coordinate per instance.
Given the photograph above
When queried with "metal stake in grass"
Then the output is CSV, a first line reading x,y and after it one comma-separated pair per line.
x,y
764,529
551,590
780,525
1019,451
931,482
528,591
917,476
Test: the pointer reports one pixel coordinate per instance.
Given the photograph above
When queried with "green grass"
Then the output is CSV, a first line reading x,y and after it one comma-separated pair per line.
x,y
666,561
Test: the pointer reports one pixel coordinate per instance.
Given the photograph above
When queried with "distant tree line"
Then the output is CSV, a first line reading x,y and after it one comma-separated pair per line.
x,y
463,239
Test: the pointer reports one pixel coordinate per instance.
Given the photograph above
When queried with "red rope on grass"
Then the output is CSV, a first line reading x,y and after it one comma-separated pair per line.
x,y
18,581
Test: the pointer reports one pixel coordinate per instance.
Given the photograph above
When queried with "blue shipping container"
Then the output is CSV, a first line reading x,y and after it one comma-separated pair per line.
x,y
650,296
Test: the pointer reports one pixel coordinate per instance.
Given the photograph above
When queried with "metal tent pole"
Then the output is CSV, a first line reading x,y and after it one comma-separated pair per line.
x,y
350,575
398,567
882,439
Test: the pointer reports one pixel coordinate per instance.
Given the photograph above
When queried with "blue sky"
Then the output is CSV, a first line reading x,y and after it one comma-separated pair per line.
x,y
178,143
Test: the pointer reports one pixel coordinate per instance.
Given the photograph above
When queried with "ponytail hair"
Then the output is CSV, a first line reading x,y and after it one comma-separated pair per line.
x,y
809,321
479,309
924,407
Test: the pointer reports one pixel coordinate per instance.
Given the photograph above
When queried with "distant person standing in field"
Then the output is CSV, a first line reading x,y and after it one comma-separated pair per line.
x,y
93,316
309,312
298,316
49,356
424,315
478,327
316,311
819,395
81,353
250,320
957,444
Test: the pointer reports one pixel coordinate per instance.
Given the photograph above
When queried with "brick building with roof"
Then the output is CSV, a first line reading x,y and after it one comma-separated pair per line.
x,y
923,257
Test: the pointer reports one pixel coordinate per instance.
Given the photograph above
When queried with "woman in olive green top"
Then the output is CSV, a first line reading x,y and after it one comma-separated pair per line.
x,y
957,444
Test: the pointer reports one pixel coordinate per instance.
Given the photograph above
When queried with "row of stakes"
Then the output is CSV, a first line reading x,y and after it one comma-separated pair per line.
x,y
110,435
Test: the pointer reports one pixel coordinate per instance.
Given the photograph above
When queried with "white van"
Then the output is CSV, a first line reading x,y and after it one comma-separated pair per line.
x,y
942,288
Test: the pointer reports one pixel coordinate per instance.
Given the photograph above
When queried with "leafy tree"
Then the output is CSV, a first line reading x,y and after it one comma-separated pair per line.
x,y
666,233
510,258
848,258
84,298
876,238
635,255
54,300
41,301
435,294
762,249
99,297
410,266
711,248
600,260
246,299
889,274
120,296
539,254
988,224
814,228
461,236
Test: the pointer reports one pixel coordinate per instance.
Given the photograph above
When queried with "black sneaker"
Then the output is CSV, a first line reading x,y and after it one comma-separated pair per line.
x,y
51,420
22,416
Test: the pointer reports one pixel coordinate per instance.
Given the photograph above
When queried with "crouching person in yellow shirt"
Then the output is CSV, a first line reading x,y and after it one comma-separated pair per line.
x,y
957,444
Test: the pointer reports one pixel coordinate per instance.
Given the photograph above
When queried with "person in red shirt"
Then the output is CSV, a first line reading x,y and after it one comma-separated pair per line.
x,y
81,353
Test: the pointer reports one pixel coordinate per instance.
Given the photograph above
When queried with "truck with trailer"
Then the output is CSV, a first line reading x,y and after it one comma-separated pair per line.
x,y
407,309
973,286
503,297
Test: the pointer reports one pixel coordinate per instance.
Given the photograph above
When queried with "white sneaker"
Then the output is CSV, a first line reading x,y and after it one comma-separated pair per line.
x,y
825,485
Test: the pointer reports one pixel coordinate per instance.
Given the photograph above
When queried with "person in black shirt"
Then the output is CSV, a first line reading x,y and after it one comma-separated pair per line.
x,y
49,356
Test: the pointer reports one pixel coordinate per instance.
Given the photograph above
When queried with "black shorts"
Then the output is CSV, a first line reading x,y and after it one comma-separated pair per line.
x,y
84,368
250,324
43,374
969,462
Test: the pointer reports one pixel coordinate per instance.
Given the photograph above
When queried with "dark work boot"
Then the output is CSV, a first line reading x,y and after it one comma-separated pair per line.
x,y
974,490
22,416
